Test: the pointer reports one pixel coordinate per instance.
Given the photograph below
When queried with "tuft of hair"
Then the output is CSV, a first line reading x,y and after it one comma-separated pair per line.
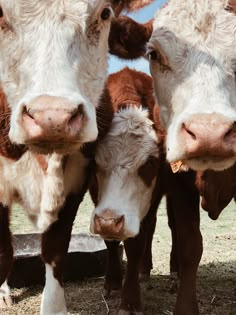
x,y
195,15
132,120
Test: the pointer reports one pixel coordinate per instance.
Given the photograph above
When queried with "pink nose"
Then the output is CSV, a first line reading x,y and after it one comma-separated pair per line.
x,y
51,119
109,225
208,135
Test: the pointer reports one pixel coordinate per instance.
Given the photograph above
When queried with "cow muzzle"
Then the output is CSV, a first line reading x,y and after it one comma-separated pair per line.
x,y
53,124
109,225
209,137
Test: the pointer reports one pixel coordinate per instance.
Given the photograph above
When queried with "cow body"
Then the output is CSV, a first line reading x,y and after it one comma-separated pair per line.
x,y
53,65
193,67
192,62
126,185
41,184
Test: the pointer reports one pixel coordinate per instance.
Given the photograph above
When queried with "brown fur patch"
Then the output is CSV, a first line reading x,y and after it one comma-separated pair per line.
x,y
149,170
7,149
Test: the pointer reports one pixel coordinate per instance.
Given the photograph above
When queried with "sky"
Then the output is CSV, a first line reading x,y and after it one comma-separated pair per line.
x,y
141,16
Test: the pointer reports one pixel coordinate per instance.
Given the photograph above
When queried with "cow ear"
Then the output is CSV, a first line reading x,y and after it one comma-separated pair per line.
x,y
128,5
232,5
128,38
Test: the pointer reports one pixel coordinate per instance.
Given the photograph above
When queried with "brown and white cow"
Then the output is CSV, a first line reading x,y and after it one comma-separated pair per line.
x,y
192,60
53,64
193,63
125,186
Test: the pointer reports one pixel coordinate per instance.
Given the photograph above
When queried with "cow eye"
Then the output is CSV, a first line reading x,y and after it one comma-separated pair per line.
x,y
106,13
154,55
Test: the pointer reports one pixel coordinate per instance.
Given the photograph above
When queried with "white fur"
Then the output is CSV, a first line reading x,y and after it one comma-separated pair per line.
x,y
40,193
53,299
119,155
198,37
58,48
5,296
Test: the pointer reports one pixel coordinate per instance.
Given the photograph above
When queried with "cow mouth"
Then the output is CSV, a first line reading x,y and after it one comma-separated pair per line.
x,y
113,237
47,147
217,163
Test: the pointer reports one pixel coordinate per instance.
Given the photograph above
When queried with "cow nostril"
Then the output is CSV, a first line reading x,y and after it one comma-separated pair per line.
x,y
118,220
187,130
26,112
79,111
230,131
75,122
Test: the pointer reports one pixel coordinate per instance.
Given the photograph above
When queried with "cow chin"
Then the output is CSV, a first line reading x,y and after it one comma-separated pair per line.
x,y
131,229
46,147
203,164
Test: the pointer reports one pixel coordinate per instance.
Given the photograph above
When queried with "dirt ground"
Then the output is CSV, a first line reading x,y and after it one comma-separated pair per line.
x,y
216,276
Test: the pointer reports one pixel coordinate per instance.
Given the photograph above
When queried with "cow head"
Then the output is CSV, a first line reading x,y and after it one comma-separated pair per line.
x,y
193,63
126,171
127,157
53,63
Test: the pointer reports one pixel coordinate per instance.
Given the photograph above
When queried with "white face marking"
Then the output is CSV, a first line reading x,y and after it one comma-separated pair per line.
x,y
53,299
128,145
196,38
56,48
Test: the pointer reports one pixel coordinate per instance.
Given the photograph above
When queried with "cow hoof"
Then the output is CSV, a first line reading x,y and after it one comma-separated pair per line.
x,y
125,312
112,285
5,301
144,276
5,296
174,282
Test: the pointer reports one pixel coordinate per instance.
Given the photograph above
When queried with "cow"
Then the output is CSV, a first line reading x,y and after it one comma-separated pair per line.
x,y
192,61
193,67
217,190
53,66
126,185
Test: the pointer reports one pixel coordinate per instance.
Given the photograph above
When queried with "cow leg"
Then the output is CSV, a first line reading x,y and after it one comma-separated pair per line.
x,y
6,257
130,295
148,230
185,203
146,263
174,268
55,243
113,278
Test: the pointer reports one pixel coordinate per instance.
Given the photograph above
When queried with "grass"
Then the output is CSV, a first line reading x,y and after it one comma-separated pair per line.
x,y
216,276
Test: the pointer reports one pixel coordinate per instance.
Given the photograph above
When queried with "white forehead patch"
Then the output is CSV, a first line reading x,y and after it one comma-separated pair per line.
x,y
197,22
130,141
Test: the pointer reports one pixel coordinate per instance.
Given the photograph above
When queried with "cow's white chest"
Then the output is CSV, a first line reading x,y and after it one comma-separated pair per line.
x,y
41,193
